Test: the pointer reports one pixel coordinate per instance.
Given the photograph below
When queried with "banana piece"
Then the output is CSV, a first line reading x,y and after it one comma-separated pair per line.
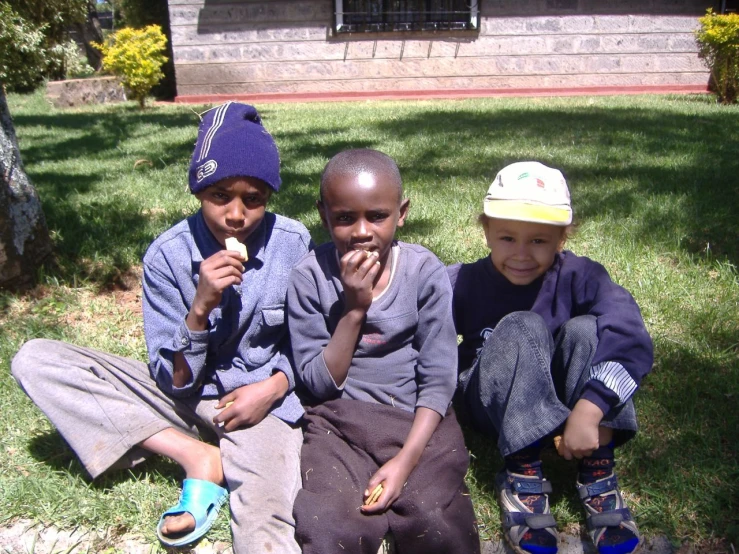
x,y
232,243
221,424
374,495
558,444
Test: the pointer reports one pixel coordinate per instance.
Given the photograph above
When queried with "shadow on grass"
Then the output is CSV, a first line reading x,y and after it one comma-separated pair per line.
x,y
94,240
687,165
689,156
682,447
54,452
87,135
685,446
321,145
101,236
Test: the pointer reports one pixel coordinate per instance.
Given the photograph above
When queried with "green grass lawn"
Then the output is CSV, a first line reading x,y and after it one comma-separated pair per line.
x,y
655,192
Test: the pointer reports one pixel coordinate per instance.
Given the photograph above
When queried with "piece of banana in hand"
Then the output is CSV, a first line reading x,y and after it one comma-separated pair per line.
x,y
374,495
232,243
558,444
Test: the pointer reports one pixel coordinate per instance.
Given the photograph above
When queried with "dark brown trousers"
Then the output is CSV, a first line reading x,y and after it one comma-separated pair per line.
x,y
346,442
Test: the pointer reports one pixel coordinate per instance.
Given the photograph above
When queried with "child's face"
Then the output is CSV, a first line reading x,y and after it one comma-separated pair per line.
x,y
522,251
234,207
361,212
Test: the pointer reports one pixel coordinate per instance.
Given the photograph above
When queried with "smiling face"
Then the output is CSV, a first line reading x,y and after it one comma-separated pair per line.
x,y
522,251
361,211
234,207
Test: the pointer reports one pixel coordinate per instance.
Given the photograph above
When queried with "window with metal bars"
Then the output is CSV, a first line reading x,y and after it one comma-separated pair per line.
x,y
379,16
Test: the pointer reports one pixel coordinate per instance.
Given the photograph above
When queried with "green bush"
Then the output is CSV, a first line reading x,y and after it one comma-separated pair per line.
x,y
24,58
139,13
136,56
34,43
75,62
718,39
53,19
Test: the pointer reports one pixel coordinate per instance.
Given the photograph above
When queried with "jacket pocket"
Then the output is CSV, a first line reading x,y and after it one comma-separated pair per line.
x,y
268,337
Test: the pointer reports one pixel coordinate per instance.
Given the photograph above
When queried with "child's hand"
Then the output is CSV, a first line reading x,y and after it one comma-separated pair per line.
x,y
392,476
581,435
221,270
250,404
358,272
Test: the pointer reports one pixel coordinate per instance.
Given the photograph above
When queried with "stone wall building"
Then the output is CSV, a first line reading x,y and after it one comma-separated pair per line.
x,y
303,47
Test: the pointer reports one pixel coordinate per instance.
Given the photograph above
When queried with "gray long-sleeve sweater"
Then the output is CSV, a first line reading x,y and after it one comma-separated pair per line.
x,y
246,341
407,350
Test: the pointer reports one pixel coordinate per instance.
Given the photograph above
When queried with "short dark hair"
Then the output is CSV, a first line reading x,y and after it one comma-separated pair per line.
x,y
360,160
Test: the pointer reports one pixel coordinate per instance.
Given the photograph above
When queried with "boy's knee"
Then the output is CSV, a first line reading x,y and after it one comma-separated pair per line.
x,y
516,327
583,325
581,330
28,358
517,321
431,519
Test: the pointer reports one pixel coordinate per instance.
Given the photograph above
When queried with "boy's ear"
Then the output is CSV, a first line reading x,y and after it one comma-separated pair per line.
x,y
562,240
320,208
404,206
486,228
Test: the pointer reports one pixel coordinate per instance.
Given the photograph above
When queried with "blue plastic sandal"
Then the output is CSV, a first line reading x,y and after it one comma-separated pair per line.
x,y
202,500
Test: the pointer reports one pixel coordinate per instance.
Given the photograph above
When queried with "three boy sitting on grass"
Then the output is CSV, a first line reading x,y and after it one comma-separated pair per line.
x,y
550,345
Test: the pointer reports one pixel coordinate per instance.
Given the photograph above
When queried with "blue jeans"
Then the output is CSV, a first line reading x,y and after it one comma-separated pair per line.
x,y
524,382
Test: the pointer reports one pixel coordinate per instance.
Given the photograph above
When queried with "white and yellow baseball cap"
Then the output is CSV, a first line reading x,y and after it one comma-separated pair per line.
x,y
529,191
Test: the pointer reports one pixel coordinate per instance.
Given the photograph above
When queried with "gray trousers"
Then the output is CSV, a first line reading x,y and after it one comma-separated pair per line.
x,y
524,382
105,405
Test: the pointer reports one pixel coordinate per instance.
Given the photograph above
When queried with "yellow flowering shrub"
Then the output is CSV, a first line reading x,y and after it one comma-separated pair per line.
x,y
137,57
718,40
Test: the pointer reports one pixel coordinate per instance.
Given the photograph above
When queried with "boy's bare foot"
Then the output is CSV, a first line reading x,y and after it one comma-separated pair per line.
x,y
206,465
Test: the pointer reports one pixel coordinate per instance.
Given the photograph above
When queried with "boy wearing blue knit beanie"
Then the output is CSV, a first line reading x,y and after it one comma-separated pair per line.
x,y
219,362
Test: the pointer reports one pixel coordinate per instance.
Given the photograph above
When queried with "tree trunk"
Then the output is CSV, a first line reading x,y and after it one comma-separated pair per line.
x,y
24,237
90,31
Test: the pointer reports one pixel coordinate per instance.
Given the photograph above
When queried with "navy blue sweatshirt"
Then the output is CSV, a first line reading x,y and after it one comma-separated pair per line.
x,y
573,286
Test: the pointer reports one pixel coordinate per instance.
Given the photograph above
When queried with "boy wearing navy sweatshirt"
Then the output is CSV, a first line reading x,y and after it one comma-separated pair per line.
x,y
550,346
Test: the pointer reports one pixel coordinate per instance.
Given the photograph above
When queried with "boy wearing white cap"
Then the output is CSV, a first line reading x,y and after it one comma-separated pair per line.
x,y
219,357
550,346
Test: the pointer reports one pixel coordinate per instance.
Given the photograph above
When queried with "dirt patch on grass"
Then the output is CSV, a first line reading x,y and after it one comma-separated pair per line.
x,y
109,319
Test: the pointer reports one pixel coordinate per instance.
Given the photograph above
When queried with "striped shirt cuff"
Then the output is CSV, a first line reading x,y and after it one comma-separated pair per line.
x,y
615,377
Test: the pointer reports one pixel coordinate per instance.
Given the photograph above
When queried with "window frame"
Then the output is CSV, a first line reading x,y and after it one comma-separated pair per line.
x,y
339,30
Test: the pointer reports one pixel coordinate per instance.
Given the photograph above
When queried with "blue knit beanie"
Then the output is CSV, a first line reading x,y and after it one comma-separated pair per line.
x,y
233,143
